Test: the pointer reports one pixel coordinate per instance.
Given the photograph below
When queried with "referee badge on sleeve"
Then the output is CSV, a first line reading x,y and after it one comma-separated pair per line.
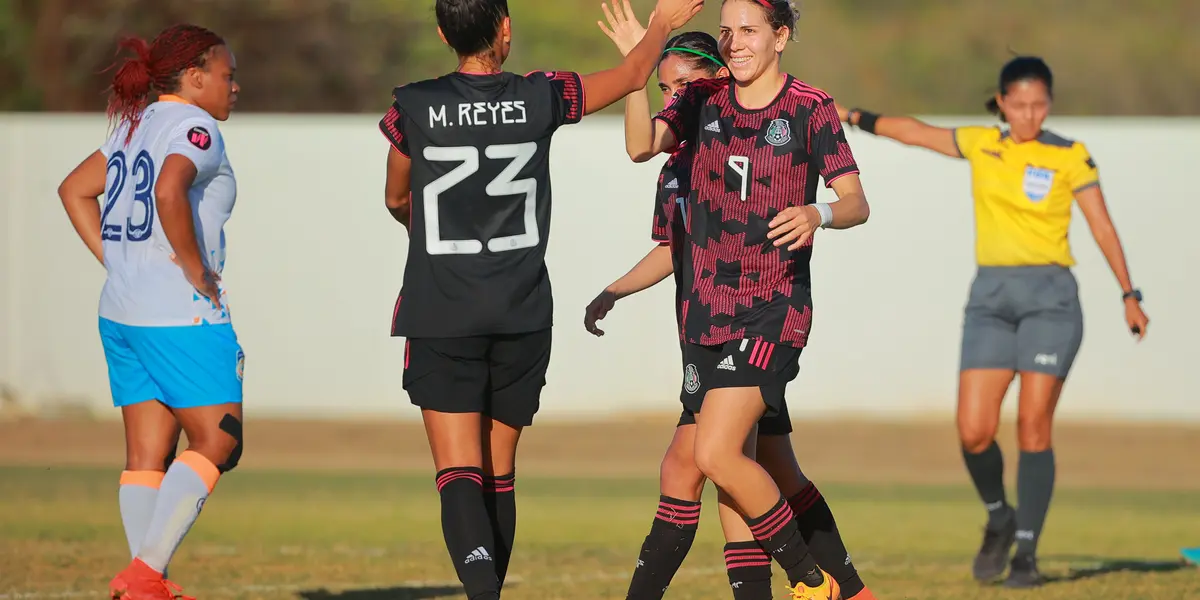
x,y
1038,182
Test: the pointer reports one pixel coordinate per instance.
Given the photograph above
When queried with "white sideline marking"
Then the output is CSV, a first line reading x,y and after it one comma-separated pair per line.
x,y
335,588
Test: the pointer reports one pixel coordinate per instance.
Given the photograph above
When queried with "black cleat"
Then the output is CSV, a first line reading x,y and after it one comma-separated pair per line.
x,y
1024,573
992,558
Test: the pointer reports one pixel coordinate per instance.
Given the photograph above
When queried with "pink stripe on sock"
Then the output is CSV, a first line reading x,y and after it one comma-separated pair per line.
x,y
804,499
446,478
743,563
771,525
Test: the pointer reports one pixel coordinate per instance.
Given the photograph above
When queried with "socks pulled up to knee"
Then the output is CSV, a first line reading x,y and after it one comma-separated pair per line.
x,y
987,472
749,569
670,538
181,496
468,532
136,497
778,534
499,496
820,532
1035,486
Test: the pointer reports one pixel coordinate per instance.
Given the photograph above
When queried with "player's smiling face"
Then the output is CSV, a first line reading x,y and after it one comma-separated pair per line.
x,y
215,88
748,43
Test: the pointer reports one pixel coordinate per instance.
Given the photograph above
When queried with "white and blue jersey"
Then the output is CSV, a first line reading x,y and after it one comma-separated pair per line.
x,y
163,340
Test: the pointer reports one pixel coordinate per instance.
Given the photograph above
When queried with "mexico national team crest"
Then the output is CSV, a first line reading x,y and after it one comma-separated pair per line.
x,y
241,365
1038,182
778,132
691,379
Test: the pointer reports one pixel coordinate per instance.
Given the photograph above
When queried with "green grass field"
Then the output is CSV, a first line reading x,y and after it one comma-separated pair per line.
x,y
318,535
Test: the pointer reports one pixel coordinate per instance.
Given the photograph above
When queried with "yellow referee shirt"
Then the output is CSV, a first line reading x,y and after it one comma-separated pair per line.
x,y
1023,194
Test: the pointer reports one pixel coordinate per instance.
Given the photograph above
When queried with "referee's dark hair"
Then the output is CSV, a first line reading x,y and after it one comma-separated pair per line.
x,y
699,49
1021,68
470,26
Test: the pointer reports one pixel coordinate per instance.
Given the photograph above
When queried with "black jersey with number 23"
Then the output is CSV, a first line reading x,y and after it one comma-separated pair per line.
x,y
480,150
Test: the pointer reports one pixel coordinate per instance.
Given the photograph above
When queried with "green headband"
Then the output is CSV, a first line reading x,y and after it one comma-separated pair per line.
x,y
696,52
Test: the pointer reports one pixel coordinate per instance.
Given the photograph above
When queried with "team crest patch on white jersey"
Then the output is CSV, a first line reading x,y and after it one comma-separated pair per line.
x,y
778,132
1038,182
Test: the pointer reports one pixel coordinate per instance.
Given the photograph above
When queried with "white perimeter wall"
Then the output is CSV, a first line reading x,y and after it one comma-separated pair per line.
x,y
315,263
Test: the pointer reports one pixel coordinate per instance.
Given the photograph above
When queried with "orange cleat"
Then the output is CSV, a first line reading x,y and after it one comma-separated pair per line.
x,y
140,582
828,590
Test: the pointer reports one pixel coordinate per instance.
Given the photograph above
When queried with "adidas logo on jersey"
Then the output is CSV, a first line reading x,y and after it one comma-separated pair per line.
x,y
672,185
477,554
714,127
727,364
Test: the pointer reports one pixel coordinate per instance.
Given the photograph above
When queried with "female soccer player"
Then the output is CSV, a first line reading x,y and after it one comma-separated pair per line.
x,y
688,57
472,148
759,140
173,357
1023,314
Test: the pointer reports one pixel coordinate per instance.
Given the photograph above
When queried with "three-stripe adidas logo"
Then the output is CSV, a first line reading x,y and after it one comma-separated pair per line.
x,y
477,554
727,364
672,185
714,127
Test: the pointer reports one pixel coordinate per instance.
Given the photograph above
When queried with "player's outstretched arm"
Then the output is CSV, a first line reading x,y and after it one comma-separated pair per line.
x,y
648,272
625,31
603,88
906,130
80,193
397,190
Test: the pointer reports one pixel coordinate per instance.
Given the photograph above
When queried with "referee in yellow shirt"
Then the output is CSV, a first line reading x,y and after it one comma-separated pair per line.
x,y
1023,314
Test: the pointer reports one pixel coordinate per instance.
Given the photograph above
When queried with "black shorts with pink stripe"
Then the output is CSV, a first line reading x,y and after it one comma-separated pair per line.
x,y
739,363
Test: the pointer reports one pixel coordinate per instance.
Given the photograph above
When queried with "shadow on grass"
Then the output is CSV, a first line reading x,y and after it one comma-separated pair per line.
x,y
1095,566
392,593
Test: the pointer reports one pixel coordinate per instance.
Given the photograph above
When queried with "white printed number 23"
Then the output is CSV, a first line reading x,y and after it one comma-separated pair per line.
x,y
503,185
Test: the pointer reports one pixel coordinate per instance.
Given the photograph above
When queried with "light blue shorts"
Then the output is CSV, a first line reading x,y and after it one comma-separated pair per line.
x,y
182,367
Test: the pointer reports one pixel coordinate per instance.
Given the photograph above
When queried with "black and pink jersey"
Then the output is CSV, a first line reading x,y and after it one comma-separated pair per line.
x,y
481,199
747,166
670,217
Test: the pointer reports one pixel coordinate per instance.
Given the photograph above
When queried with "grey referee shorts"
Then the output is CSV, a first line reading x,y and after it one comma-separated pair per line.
x,y
1024,319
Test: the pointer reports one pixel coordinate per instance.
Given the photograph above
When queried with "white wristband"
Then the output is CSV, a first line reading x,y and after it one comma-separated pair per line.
x,y
826,212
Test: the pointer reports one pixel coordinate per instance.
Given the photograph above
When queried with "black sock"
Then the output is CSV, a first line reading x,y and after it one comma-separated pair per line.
x,y
468,531
987,471
499,495
749,569
778,534
820,532
1035,486
670,538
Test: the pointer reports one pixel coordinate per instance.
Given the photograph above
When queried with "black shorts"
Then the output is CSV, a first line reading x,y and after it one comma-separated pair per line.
x,y
769,366
779,424
500,376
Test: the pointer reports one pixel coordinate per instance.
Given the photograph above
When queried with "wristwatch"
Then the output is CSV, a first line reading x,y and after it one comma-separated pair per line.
x,y
1135,293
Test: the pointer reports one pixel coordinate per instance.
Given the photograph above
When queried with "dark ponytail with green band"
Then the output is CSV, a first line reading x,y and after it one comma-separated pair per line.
x,y
699,47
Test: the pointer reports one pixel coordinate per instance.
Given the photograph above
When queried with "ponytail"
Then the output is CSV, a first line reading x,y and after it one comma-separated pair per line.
x,y
993,107
155,66
130,87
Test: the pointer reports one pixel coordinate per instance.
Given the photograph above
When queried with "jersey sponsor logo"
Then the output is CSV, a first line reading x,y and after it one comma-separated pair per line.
x,y
778,132
714,127
726,364
200,138
672,185
691,379
994,154
1038,182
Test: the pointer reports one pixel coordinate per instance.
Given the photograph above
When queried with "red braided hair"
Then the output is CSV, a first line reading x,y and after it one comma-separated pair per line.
x,y
155,66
